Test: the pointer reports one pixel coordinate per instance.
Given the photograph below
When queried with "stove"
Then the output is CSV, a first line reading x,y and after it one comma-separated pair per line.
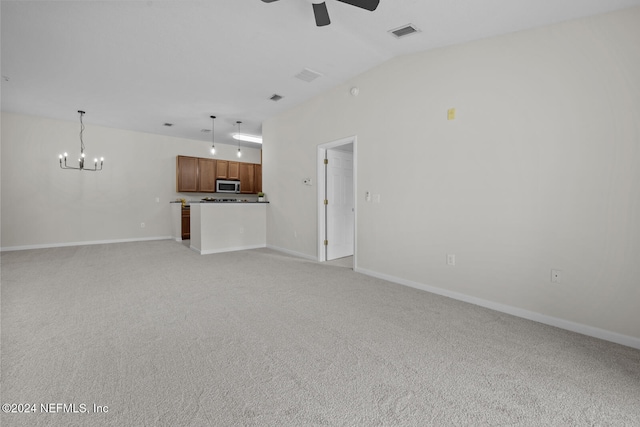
x,y
211,199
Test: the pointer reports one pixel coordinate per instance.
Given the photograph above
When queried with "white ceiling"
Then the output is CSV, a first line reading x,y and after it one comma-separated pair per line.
x,y
138,64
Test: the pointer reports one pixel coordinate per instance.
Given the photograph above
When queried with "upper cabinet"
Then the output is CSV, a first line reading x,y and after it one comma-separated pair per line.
x,y
227,169
222,169
234,170
186,174
247,178
199,175
258,179
207,175
194,174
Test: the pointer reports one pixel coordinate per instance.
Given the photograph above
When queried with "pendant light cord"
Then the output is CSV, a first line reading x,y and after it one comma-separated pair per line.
x,y
81,131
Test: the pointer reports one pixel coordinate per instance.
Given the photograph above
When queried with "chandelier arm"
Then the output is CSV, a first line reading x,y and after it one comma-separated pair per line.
x,y
71,167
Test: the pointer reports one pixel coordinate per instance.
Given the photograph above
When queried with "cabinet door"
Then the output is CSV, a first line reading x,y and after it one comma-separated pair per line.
x,y
258,178
186,174
247,177
222,168
207,175
234,170
186,224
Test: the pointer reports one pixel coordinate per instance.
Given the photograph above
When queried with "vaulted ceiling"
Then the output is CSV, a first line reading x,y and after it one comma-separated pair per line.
x,y
137,65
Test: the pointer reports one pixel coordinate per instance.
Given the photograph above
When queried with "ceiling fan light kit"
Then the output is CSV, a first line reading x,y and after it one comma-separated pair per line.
x,y
321,13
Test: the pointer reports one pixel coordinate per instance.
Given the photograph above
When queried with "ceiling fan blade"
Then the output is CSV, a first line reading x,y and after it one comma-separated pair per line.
x,y
269,1
362,4
321,13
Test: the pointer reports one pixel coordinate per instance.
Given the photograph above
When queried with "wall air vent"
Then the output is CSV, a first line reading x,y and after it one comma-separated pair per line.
x,y
308,75
405,30
276,97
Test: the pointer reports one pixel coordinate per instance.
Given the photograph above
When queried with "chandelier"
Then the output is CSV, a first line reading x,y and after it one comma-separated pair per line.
x,y
81,159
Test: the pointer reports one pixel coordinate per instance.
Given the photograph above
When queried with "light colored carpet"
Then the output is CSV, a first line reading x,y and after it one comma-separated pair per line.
x,y
166,337
346,262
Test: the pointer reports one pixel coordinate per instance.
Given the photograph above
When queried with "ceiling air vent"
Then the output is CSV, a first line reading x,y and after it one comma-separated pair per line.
x,y
308,75
405,30
276,97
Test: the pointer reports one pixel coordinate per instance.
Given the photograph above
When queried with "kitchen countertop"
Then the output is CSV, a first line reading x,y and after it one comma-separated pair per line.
x,y
221,203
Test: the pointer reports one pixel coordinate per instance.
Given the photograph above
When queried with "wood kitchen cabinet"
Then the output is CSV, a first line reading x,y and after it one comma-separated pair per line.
x,y
247,178
186,223
207,175
186,174
222,167
194,174
199,175
258,178
234,170
228,169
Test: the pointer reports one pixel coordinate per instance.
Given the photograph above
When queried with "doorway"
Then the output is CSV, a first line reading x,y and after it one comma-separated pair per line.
x,y
336,200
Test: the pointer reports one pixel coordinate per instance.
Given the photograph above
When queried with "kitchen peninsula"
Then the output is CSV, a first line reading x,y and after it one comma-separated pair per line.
x,y
225,226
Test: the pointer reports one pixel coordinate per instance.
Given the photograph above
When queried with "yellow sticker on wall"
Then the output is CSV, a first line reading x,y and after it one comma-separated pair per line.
x,y
451,114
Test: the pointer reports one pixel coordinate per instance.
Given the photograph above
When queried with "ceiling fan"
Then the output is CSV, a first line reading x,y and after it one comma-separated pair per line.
x,y
322,14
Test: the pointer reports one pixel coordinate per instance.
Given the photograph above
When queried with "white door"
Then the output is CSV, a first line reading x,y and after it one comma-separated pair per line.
x,y
339,206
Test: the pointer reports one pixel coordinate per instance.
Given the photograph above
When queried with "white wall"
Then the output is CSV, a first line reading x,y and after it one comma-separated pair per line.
x,y
43,205
540,170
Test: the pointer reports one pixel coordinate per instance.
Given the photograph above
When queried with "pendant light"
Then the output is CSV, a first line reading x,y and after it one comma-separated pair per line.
x,y
213,145
81,159
239,152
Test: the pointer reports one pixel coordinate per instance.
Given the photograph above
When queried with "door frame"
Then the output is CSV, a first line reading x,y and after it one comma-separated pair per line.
x,y
321,180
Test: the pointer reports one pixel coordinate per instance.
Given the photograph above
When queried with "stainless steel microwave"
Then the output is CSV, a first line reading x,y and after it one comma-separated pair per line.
x,y
223,186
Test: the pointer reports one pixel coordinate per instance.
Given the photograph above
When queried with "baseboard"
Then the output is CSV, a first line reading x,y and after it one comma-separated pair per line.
x,y
232,249
292,253
93,242
514,311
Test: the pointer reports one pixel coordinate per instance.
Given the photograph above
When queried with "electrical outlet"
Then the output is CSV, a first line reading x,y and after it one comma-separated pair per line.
x,y
451,259
556,276
307,181
142,225
376,198
367,196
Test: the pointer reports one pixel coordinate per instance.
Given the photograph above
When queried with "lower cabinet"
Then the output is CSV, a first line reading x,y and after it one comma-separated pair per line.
x,y
186,223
